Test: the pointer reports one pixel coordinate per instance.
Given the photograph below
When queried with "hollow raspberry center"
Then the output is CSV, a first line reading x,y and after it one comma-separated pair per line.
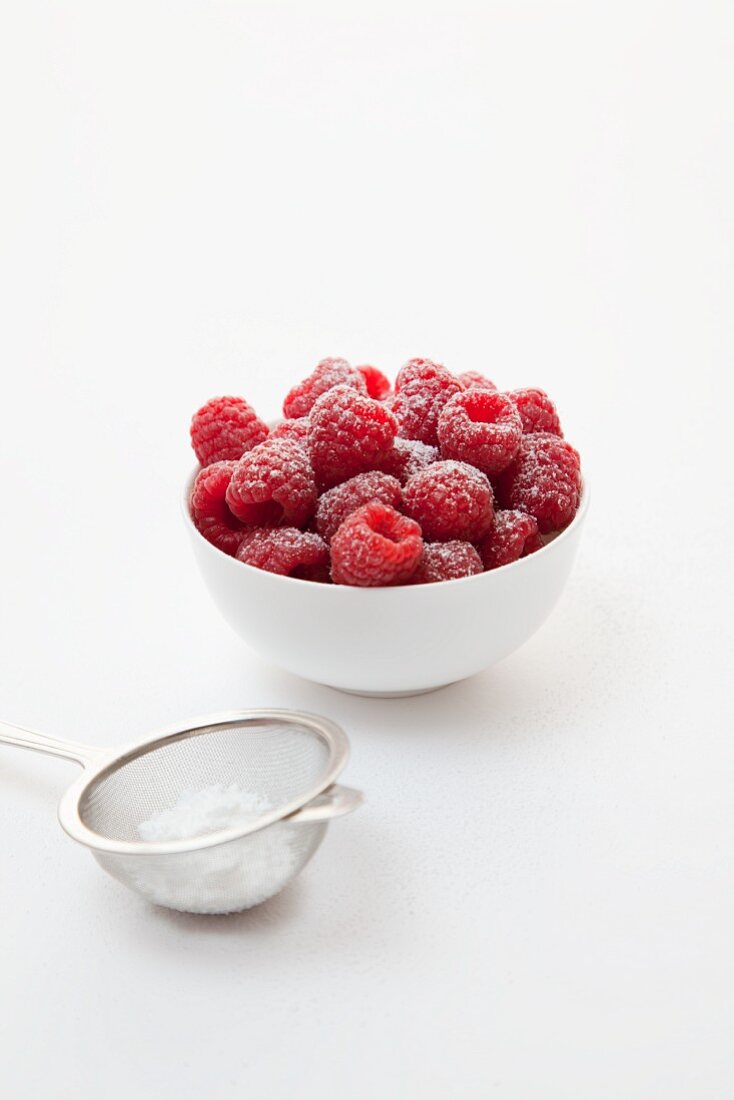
x,y
229,520
383,526
219,511
481,412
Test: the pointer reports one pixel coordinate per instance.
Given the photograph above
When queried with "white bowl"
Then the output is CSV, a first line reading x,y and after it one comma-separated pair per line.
x,y
388,641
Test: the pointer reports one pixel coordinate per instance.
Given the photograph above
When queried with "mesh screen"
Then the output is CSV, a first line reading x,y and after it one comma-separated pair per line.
x,y
225,878
281,762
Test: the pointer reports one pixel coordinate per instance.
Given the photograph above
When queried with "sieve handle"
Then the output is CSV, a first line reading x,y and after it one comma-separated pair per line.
x,y
333,802
27,739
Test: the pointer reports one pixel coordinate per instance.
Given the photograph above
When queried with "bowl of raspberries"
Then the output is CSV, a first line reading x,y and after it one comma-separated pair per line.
x,y
385,539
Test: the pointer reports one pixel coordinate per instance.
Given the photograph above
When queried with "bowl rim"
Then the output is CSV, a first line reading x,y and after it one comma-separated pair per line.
x,y
521,563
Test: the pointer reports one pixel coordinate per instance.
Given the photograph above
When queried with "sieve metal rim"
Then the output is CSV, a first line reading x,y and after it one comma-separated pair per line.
x,y
106,761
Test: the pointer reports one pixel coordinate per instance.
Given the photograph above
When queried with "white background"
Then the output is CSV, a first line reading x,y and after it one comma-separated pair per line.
x,y
202,198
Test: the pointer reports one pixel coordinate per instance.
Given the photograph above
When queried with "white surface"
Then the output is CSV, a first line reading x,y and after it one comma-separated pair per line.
x,y
203,198
389,641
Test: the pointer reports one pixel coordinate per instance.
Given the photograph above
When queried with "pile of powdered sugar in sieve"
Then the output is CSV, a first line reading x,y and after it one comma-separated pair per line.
x,y
206,811
254,867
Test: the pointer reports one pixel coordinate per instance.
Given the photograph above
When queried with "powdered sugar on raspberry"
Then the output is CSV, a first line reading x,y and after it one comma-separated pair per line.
x,y
406,457
472,379
339,502
374,547
543,480
536,411
287,551
351,447
295,430
422,388
348,434
481,427
273,485
327,374
447,561
513,535
450,500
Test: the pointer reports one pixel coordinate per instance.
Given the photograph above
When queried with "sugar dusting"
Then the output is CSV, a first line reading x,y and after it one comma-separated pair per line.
x,y
407,457
285,550
338,503
447,561
276,472
349,434
205,811
264,862
481,427
544,480
422,390
326,375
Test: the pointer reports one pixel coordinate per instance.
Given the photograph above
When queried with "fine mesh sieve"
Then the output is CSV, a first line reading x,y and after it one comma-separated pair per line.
x,y
286,761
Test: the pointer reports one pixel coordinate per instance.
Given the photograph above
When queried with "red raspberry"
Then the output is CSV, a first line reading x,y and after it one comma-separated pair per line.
x,y
481,427
513,535
446,561
209,509
334,506
536,410
378,386
224,429
422,389
287,551
329,373
273,486
472,379
375,546
407,457
450,500
544,480
295,430
413,369
348,434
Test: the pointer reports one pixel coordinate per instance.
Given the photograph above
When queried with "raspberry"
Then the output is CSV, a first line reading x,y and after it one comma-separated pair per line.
x,y
348,434
407,457
378,386
209,509
413,369
472,379
329,373
450,500
295,430
481,427
536,410
544,480
513,535
334,506
446,561
422,389
224,429
375,546
287,551
273,486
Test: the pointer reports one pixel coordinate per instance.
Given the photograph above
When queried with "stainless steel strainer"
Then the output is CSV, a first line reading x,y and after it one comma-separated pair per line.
x,y
288,758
